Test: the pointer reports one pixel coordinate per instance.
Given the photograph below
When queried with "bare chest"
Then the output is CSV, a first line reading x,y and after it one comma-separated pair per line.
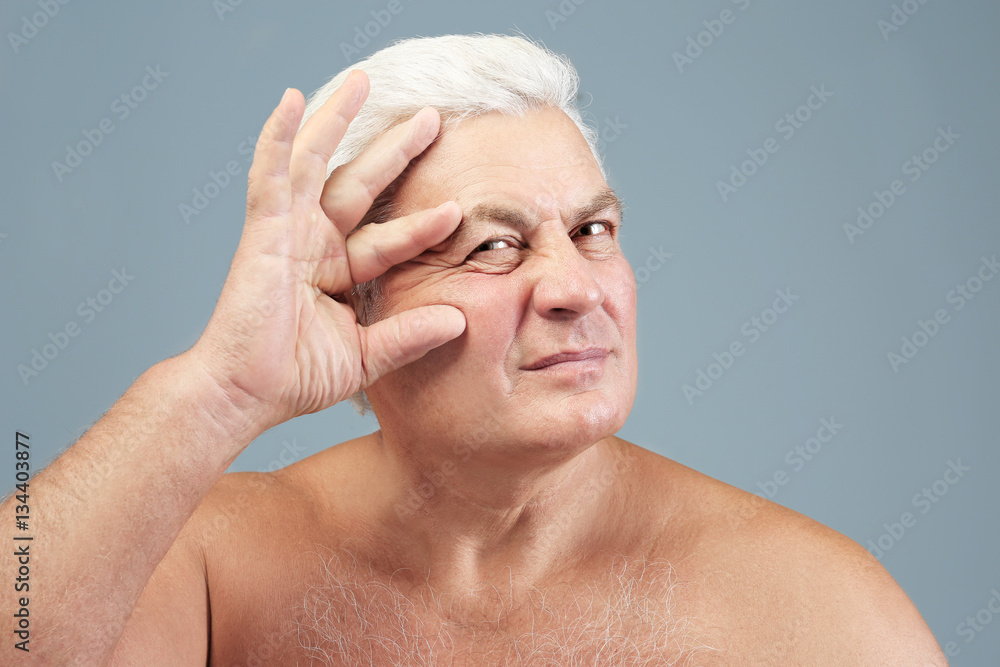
x,y
620,617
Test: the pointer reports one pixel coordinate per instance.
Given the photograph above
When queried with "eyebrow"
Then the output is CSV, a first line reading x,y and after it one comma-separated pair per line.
x,y
479,214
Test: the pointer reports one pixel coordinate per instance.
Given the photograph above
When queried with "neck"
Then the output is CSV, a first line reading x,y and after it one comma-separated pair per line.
x,y
462,517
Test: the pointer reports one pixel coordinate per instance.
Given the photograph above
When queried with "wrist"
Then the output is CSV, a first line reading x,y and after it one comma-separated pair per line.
x,y
236,413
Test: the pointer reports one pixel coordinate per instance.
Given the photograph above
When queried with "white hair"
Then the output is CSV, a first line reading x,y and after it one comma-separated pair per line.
x,y
462,76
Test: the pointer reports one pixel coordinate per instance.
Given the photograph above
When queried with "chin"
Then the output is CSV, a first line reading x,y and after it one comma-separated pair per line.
x,y
581,419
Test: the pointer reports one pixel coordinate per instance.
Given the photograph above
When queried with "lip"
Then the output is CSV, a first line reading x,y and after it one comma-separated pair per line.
x,y
562,357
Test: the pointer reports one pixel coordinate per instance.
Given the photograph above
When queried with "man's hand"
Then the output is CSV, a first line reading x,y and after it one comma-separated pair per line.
x,y
278,345
278,342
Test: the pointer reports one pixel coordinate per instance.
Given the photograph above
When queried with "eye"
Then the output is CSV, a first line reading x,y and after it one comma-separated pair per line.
x,y
587,229
492,244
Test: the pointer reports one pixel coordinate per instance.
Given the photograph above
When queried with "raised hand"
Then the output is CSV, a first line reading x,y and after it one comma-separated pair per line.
x,y
278,343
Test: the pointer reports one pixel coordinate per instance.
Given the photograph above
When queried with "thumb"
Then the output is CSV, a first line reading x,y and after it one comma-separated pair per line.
x,y
407,336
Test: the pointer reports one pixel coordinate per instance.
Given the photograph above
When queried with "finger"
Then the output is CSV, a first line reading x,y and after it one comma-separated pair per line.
x,y
407,336
352,187
267,189
322,133
375,248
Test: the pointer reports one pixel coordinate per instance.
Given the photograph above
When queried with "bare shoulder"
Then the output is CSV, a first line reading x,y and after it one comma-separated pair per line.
x,y
261,537
779,582
292,497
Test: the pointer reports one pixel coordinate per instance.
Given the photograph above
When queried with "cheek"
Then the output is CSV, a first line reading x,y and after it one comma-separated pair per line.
x,y
620,298
493,310
620,294
493,307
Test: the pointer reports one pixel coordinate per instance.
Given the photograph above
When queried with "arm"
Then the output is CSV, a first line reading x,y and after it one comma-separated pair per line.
x,y
110,507
277,346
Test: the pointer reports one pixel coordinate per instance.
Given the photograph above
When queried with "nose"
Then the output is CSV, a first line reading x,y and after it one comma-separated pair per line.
x,y
565,283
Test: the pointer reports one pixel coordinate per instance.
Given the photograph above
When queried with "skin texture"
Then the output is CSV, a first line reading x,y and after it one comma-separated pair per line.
x,y
562,285
494,518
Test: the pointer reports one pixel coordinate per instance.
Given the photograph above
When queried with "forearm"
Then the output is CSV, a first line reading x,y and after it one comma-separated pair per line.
x,y
105,512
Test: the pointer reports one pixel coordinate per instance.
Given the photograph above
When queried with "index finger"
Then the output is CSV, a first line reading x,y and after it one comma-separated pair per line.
x,y
316,142
353,186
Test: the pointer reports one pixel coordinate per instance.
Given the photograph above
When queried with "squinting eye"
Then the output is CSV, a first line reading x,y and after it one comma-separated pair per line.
x,y
485,245
583,230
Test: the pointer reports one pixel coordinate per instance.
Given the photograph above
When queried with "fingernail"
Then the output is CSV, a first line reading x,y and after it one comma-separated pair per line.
x,y
284,96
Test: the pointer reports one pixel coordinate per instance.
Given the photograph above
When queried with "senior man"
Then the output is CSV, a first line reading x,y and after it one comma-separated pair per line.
x,y
461,266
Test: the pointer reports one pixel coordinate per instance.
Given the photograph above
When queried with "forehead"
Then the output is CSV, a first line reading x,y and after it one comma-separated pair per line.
x,y
538,163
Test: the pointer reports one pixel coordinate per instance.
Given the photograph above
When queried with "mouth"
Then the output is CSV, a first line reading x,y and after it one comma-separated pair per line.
x,y
590,354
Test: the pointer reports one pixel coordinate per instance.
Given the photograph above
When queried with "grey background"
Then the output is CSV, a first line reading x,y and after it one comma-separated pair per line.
x,y
681,131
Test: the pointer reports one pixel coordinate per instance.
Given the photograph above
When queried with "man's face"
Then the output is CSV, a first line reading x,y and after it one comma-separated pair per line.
x,y
536,268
